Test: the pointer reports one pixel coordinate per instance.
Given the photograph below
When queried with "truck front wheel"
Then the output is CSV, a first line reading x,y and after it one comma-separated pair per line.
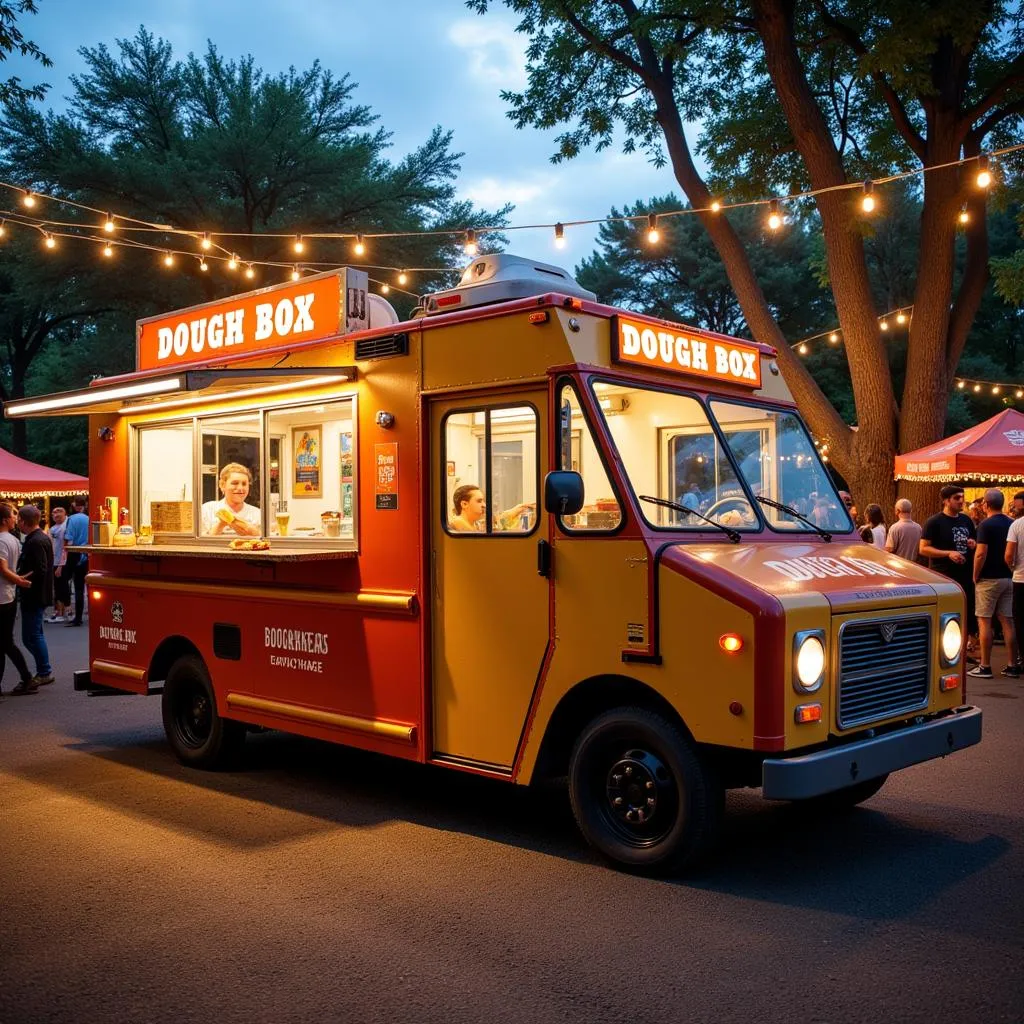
x,y
641,792
197,733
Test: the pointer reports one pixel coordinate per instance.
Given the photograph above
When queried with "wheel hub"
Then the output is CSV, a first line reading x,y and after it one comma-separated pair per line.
x,y
635,784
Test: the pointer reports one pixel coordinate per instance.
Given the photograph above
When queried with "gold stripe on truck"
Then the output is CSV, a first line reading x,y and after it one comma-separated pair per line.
x,y
374,726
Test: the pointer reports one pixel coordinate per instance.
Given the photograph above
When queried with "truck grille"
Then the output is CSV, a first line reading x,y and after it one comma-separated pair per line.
x,y
879,678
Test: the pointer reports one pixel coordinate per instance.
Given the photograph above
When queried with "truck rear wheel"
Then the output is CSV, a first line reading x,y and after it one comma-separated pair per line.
x,y
641,792
197,733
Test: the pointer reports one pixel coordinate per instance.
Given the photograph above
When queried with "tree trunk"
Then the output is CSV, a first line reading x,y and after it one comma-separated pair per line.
x,y
19,438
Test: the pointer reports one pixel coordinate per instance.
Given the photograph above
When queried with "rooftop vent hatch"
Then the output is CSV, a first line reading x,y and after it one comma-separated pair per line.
x,y
379,348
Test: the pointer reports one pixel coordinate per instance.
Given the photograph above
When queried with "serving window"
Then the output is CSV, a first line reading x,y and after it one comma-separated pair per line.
x,y
287,473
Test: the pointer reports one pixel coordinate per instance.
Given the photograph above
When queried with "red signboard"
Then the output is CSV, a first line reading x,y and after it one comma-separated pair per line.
x,y
679,350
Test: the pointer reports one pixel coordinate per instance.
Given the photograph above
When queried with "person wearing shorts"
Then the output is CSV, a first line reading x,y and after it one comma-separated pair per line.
x,y
993,588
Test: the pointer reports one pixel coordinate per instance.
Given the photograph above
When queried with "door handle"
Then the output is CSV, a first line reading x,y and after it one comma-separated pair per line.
x,y
543,558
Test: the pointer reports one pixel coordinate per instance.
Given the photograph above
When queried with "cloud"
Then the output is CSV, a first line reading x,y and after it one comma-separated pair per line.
x,y
493,192
493,50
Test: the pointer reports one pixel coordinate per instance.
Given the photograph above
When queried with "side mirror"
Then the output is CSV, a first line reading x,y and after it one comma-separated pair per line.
x,y
563,493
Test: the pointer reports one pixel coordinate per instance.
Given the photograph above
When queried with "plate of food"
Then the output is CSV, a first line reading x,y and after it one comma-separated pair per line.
x,y
249,544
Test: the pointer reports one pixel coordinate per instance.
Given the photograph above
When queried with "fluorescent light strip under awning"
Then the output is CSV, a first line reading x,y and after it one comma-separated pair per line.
x,y
267,389
93,396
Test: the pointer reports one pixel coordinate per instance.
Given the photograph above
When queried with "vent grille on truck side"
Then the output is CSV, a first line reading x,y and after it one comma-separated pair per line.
x,y
378,348
884,668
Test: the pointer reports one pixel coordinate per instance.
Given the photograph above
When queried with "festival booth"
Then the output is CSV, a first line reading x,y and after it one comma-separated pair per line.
x,y
990,454
21,481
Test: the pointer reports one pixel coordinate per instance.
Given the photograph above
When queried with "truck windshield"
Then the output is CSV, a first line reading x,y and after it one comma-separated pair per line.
x,y
669,449
777,460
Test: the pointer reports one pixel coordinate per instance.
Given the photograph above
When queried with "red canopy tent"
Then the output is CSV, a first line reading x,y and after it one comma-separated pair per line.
x,y
990,452
20,478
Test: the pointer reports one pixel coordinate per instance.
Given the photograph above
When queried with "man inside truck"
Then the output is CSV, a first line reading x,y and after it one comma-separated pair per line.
x,y
232,514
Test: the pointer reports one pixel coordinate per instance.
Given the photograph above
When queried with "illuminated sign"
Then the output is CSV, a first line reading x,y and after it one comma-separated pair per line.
x,y
675,349
318,307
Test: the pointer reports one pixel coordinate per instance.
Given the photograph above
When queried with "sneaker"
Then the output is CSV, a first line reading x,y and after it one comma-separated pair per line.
x,y
44,680
981,672
54,618
24,687
1013,671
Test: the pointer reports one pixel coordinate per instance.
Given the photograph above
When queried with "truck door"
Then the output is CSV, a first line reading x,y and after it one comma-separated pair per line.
x,y
490,622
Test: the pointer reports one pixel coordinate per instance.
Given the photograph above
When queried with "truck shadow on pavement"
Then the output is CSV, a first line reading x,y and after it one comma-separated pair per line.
x,y
883,861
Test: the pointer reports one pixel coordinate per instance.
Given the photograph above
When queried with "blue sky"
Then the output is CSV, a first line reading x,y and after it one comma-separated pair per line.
x,y
417,62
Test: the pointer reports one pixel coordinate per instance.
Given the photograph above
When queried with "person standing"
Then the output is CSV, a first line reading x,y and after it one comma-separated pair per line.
x,y
904,536
873,514
1016,509
993,587
36,568
948,541
76,563
10,553
61,583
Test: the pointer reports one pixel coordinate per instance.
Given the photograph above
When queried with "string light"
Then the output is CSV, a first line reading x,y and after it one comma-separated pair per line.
x,y
233,262
867,202
834,337
961,384
984,178
28,199
996,389
1020,393
715,206
360,246
977,387
802,349
50,242
884,325
901,317
108,224
469,246
299,245
206,243
964,216
3,230
774,217
168,259
403,277
108,250
203,265
384,288
295,273
250,272
653,234
559,236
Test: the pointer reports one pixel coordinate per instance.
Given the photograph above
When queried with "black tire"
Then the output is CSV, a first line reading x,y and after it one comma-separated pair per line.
x,y
642,794
843,799
195,730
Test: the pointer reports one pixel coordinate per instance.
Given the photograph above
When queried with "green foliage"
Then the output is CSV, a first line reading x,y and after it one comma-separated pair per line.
x,y
12,40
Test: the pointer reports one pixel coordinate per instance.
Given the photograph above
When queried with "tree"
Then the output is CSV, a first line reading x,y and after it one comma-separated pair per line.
x,y
219,146
798,95
12,40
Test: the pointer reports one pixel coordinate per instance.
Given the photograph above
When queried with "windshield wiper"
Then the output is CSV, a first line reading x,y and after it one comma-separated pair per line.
x,y
665,503
796,515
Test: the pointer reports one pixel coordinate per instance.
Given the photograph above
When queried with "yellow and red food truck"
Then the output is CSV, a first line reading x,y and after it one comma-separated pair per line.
x,y
523,534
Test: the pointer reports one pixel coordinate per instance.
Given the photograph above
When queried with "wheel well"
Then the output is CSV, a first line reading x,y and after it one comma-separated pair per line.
x,y
169,651
584,702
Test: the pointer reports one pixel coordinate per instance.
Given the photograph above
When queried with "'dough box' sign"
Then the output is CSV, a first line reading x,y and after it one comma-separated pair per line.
x,y
317,307
672,348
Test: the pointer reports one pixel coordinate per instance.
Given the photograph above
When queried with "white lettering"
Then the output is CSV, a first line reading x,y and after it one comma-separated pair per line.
x,y
699,351
295,640
264,321
666,340
303,321
233,325
735,363
216,330
630,340
649,341
283,316
198,334
721,360
682,352
749,372
181,339
164,340
815,567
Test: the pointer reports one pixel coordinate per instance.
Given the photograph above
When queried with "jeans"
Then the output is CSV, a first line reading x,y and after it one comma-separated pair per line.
x,y
33,639
8,648
1018,614
76,567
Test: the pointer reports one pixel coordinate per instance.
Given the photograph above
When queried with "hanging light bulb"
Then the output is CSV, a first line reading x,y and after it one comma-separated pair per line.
x,y
385,288
295,272
299,245
168,259
984,178
901,317
203,265
961,384
108,224
653,234
867,201
964,217
884,325
802,349
977,388
559,236
403,277
1020,393
715,206
108,250
834,337
3,228
360,246
249,272
774,216
996,389
469,246
50,242
29,199
233,262
206,243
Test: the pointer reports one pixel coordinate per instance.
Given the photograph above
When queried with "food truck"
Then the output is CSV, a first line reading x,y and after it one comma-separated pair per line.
x,y
522,534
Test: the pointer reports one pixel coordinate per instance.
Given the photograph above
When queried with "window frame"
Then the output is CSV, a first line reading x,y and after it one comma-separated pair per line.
x,y
443,485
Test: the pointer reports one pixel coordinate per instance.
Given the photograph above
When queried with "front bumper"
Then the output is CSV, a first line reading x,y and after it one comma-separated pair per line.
x,y
807,775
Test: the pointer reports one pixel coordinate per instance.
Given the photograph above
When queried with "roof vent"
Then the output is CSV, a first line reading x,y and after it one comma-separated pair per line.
x,y
378,348
499,277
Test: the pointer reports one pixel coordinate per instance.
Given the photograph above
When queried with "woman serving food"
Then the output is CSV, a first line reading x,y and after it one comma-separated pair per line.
x,y
232,514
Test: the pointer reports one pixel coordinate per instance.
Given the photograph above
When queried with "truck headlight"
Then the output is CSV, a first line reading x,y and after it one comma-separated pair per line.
x,y
951,638
808,660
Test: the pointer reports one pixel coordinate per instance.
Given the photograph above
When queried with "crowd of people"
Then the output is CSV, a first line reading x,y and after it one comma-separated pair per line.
x,y
981,547
39,573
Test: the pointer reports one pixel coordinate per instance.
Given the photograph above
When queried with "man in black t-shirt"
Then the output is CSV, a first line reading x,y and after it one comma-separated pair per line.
x,y
992,587
948,542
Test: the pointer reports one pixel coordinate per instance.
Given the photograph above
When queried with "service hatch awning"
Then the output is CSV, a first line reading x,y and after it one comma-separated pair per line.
x,y
167,391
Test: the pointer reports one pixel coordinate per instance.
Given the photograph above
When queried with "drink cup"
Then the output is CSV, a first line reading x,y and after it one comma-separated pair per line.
x,y
282,523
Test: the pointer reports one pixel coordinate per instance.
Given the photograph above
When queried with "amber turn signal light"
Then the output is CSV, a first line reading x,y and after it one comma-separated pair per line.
x,y
96,595
731,643
808,713
947,683
540,317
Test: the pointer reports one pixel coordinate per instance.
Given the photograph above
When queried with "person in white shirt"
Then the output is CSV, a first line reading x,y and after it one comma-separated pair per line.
x,y
877,524
1014,556
231,514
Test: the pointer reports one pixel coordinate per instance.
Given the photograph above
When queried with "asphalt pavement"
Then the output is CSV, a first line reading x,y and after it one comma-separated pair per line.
x,y
323,884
